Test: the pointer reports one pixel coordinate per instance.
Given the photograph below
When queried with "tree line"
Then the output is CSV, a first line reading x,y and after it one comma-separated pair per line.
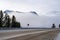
x,y
7,22
54,26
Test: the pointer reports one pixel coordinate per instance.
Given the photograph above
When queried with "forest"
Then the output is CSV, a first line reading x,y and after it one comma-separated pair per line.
x,y
7,22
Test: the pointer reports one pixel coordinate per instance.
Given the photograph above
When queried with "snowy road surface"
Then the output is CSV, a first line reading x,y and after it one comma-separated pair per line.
x,y
27,34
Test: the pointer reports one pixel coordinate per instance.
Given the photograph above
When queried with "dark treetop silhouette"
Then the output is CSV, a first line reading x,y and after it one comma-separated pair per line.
x,y
7,22
53,26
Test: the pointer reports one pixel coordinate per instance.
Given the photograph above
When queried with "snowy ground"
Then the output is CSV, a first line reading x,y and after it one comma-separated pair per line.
x,y
7,34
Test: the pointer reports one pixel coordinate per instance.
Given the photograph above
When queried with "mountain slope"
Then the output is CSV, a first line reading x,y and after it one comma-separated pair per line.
x,y
10,11
34,20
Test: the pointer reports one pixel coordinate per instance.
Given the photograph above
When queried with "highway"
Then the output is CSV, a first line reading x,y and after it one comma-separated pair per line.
x,y
30,34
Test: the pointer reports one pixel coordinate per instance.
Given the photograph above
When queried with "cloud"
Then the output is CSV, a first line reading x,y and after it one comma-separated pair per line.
x,y
53,13
40,6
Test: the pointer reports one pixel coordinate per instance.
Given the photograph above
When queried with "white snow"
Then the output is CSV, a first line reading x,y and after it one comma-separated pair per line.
x,y
35,20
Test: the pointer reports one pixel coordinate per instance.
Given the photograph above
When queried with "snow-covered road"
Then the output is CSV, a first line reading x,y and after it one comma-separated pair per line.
x,y
8,34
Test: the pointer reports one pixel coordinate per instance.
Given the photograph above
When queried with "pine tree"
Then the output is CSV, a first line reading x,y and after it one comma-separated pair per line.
x,y
53,26
18,25
0,22
8,22
13,24
59,25
1,18
1,14
5,20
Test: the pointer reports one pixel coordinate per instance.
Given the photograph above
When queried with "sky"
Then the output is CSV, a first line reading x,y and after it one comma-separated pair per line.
x,y
48,10
40,6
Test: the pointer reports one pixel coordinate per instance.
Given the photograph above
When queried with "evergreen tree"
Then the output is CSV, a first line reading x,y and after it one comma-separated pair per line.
x,y
53,26
6,20
13,24
1,18
59,25
18,25
0,22
9,21
6,16
1,14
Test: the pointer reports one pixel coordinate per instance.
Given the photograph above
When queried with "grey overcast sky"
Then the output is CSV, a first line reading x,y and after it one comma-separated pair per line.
x,y
40,6
49,10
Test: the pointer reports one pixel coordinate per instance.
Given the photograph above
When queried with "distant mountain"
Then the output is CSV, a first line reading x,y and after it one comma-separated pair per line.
x,y
6,11
25,18
34,20
33,12
10,11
